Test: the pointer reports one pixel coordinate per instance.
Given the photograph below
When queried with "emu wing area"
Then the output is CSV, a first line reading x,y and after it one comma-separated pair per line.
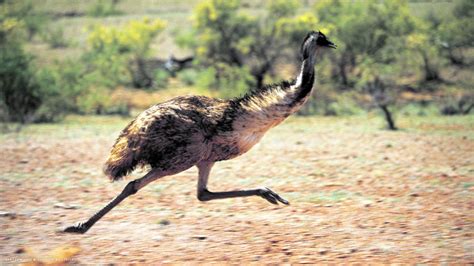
x,y
173,135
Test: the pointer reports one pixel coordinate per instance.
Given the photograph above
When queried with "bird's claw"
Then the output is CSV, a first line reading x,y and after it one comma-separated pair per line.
x,y
76,229
271,196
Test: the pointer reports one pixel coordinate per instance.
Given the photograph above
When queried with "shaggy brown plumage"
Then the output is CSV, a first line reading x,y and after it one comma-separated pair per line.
x,y
196,130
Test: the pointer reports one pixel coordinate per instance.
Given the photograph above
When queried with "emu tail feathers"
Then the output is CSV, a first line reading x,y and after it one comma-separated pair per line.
x,y
122,159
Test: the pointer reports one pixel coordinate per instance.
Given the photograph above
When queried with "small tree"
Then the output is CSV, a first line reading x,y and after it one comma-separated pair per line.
x,y
427,49
365,29
225,35
456,31
19,91
381,97
115,51
32,20
103,8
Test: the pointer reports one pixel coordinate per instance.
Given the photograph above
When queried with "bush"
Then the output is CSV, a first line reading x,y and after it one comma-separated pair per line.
x,y
343,106
188,76
226,35
228,81
22,92
61,85
55,37
19,91
68,88
117,55
32,20
233,81
106,69
207,79
103,8
134,38
419,109
161,78
458,105
97,101
94,101
324,101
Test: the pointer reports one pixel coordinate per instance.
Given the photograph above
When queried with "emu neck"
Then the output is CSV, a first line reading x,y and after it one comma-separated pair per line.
x,y
305,80
267,107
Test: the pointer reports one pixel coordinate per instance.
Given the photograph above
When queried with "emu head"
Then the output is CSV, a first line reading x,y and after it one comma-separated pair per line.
x,y
313,41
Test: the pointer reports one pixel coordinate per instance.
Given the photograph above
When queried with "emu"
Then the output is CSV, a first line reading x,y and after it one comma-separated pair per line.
x,y
198,131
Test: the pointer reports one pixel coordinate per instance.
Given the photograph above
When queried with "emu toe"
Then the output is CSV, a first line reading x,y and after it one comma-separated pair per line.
x,y
76,229
272,197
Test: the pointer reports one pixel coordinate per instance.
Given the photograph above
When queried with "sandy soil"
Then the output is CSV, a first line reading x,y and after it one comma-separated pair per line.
x,y
356,196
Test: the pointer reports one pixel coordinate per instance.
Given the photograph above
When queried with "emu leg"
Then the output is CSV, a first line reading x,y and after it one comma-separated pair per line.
x,y
205,195
130,189
81,228
266,193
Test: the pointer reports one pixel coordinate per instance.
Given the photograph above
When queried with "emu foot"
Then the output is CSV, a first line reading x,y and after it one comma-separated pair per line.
x,y
80,228
271,196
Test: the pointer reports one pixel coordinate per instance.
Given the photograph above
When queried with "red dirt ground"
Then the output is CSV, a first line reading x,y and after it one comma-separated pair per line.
x,y
356,195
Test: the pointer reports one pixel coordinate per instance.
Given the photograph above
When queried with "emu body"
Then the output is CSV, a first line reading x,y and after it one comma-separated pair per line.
x,y
199,131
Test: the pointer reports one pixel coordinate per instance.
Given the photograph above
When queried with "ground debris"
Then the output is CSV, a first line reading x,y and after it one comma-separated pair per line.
x,y
7,214
199,237
66,206
61,255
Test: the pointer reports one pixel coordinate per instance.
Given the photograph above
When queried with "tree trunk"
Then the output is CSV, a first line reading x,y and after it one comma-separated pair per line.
x,y
259,73
342,70
468,110
430,72
141,78
259,79
454,59
388,117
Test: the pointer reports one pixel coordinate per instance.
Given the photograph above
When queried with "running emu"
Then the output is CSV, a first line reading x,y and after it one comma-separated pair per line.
x,y
195,130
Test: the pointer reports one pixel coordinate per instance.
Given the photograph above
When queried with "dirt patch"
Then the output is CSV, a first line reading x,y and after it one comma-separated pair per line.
x,y
356,196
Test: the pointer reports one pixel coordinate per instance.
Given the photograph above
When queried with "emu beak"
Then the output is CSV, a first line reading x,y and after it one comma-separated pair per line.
x,y
331,45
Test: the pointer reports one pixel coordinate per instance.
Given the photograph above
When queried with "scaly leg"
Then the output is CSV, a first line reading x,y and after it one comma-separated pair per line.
x,y
130,189
205,195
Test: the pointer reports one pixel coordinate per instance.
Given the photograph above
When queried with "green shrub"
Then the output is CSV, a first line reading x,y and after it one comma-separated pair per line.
x,y
69,88
103,8
228,81
94,101
419,109
19,91
61,85
223,33
106,68
161,78
462,104
118,108
188,76
55,104
343,106
32,21
116,55
207,79
55,37
233,81
324,101
97,101
133,38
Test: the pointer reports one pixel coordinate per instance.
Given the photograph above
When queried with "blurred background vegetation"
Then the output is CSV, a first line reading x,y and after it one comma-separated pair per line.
x,y
104,57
